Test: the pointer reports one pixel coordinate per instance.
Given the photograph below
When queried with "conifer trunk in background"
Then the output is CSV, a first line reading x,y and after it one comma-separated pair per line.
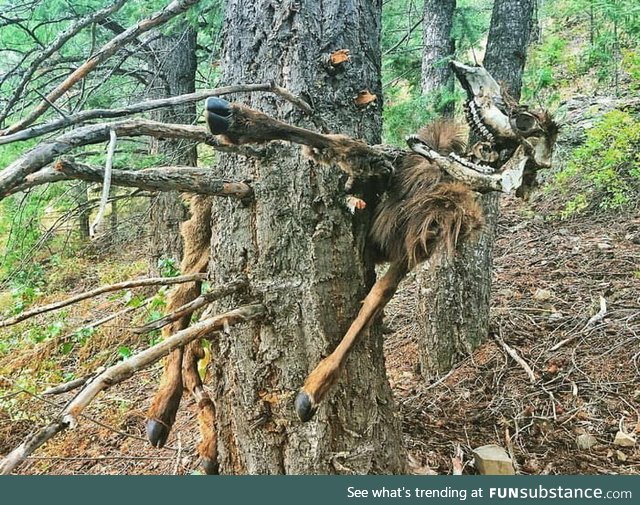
x,y
439,47
173,61
302,251
454,298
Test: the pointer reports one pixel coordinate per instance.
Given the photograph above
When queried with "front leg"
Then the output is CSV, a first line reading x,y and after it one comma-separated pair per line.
x,y
241,125
327,372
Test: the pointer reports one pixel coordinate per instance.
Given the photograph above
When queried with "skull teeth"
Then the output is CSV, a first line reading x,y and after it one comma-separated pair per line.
x,y
483,169
472,116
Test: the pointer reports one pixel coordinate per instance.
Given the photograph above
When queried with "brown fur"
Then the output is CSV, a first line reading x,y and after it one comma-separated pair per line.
x,y
180,369
354,157
444,136
423,212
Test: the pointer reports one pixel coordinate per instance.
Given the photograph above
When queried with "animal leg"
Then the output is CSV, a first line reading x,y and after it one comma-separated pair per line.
x,y
208,447
328,370
196,233
163,409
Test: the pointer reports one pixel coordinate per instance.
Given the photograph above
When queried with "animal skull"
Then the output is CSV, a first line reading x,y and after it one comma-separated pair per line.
x,y
515,141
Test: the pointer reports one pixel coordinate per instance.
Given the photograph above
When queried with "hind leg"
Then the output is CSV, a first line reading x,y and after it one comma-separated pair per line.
x,y
163,409
208,447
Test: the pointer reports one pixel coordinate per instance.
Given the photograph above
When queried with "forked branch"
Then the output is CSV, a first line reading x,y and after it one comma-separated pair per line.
x,y
115,374
148,105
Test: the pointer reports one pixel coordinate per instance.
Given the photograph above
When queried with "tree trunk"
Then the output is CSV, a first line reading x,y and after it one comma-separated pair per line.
x,y
455,296
82,201
509,36
303,252
439,47
174,62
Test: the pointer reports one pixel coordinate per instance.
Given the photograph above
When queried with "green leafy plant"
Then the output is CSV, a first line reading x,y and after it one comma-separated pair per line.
x,y
168,267
604,173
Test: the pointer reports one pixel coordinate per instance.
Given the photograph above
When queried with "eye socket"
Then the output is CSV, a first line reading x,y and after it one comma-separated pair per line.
x,y
525,123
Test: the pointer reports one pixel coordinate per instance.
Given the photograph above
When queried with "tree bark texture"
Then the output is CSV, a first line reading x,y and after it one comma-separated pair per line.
x,y
454,297
174,62
303,252
439,46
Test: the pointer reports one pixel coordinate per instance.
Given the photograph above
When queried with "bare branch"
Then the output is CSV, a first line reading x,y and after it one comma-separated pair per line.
x,y
136,283
47,152
54,46
106,184
172,10
188,308
71,385
122,371
148,105
183,179
590,323
516,357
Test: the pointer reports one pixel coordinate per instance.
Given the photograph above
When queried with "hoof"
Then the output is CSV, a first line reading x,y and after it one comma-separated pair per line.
x,y
218,114
209,466
157,433
305,406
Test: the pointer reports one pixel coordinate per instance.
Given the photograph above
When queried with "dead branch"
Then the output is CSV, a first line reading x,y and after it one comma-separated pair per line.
x,y
590,323
106,184
53,47
170,11
148,105
516,357
136,283
188,308
71,385
457,460
122,371
183,179
47,152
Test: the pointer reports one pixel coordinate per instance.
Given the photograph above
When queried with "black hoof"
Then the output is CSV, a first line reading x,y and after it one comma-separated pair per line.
x,y
218,114
157,433
305,406
209,466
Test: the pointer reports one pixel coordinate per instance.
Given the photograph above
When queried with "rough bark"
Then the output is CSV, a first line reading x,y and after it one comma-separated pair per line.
x,y
439,47
455,296
302,251
509,36
174,58
83,214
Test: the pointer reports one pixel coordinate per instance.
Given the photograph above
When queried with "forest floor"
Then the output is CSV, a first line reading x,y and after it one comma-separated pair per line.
x,y
549,276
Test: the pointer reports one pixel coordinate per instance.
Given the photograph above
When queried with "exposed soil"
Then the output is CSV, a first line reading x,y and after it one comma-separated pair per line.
x,y
549,277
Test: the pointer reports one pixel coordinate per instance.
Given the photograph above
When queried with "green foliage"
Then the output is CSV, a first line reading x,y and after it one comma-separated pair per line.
x,y
601,32
40,334
404,117
124,352
401,46
168,267
470,24
544,64
604,173
631,65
